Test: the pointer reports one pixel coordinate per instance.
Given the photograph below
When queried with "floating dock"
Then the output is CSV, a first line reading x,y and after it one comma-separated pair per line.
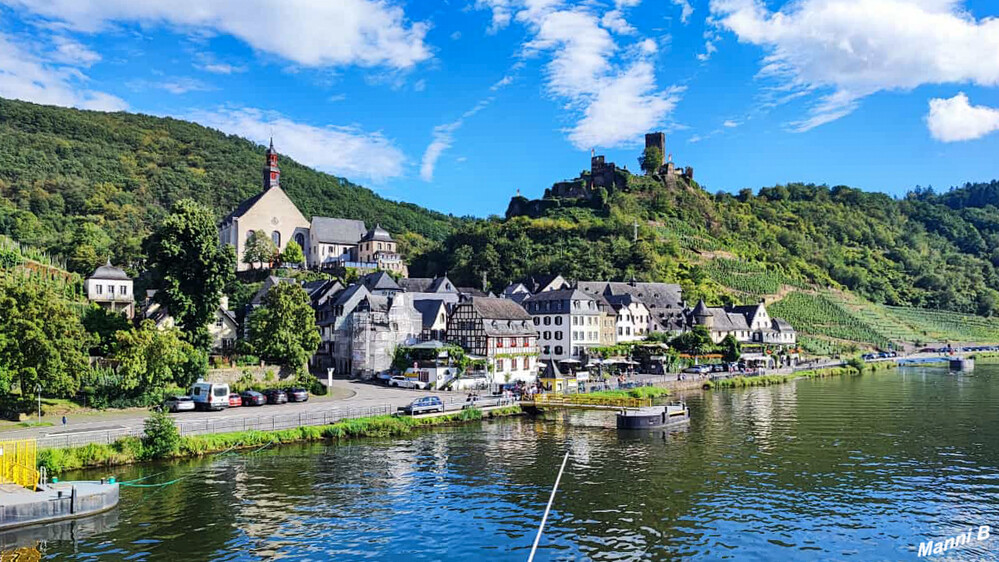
x,y
20,507
962,364
653,417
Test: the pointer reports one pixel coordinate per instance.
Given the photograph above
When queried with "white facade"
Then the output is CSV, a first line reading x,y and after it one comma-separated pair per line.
x,y
111,288
632,322
568,323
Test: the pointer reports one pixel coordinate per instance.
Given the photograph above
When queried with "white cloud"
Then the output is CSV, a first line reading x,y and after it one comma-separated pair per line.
x,y
72,52
955,119
730,124
501,10
686,10
29,77
613,91
313,33
443,138
849,49
345,151
175,85
614,21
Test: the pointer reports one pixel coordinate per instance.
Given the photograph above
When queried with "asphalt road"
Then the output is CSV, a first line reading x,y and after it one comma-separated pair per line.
x,y
357,396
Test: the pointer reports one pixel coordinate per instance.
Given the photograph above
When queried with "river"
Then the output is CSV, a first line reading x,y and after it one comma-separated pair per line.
x,y
858,467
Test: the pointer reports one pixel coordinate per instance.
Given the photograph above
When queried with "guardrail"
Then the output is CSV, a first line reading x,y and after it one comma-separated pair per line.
x,y
584,400
221,425
18,462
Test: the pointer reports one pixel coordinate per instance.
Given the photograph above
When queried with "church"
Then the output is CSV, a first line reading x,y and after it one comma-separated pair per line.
x,y
326,242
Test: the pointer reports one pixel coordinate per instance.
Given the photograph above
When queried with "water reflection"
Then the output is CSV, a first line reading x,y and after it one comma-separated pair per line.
x,y
864,467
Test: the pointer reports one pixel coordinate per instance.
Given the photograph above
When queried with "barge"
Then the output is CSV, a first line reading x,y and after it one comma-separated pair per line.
x,y
20,507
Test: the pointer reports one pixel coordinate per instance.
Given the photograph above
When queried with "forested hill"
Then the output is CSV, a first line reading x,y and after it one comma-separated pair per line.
x,y
926,250
87,184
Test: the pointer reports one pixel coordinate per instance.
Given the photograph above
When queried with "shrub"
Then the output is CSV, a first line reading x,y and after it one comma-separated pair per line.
x,y
162,438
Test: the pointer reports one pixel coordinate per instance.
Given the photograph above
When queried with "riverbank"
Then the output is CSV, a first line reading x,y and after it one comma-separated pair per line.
x,y
130,450
768,380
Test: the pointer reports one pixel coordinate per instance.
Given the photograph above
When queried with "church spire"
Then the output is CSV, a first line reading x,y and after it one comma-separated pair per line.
x,y
272,175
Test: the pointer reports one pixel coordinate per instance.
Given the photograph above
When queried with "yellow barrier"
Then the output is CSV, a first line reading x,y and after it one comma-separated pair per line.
x,y
19,462
584,400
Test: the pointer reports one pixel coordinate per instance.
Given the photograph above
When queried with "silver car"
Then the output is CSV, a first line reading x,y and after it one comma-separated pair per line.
x,y
179,404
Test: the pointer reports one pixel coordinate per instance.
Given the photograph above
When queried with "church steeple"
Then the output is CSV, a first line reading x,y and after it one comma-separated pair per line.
x,y
272,175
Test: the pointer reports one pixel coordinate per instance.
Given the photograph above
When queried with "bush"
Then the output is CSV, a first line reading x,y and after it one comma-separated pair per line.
x,y
162,438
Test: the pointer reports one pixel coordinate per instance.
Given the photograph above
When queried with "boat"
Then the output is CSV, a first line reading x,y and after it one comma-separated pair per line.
x,y
653,417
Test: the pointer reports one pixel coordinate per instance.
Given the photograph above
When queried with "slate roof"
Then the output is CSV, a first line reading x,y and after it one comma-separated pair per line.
x,y
416,284
491,308
109,272
380,281
377,233
472,292
243,207
429,309
653,295
560,295
337,231
344,297
782,325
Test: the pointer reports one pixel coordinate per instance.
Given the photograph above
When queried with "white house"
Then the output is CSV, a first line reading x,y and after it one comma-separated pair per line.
x,y
111,288
568,323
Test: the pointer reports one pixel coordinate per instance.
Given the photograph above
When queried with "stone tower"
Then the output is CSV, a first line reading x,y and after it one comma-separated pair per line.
x,y
702,316
658,140
272,175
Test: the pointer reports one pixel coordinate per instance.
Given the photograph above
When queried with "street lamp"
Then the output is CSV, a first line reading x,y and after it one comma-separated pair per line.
x,y
38,389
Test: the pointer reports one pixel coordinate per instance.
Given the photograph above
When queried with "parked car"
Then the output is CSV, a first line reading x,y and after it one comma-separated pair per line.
x,y
253,398
210,395
276,396
234,400
384,378
698,369
179,404
424,405
297,395
406,382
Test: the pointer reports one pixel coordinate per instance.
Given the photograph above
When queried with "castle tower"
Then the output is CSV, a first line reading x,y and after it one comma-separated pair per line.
x,y
657,140
272,175
702,316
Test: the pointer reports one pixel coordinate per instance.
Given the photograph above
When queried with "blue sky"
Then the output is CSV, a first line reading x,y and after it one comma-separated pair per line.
x,y
457,105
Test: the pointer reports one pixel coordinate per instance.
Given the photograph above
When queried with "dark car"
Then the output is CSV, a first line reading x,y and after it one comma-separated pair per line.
x,y
276,396
253,398
297,395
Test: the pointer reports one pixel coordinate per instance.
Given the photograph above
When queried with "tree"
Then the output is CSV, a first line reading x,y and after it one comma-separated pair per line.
x,y
42,341
284,329
103,325
150,358
651,159
695,342
191,268
731,349
259,249
161,438
293,253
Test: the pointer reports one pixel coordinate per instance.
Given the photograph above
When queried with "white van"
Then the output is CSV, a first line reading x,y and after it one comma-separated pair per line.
x,y
210,395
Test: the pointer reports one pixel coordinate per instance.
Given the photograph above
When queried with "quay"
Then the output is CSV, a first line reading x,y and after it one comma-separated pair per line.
x,y
20,507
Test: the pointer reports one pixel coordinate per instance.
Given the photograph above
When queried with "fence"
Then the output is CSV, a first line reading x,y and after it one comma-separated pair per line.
x,y
18,462
222,424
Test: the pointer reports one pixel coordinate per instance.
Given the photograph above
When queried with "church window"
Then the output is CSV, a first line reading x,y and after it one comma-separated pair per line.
x,y
300,240
276,237
249,234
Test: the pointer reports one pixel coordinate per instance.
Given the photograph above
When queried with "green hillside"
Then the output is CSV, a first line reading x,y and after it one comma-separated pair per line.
x,y
86,184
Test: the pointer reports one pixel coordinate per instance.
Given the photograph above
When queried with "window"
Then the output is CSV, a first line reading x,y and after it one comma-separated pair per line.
x,y
249,234
548,320
558,320
575,320
121,290
558,335
537,321
100,289
548,335
276,237
499,365
499,342
218,322
300,240
558,350
547,350
513,342
620,331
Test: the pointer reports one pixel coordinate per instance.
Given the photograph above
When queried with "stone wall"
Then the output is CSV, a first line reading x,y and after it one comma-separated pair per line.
x,y
230,375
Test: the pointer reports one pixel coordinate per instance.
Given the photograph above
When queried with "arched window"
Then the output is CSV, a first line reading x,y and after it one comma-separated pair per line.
x,y
300,240
276,237
249,235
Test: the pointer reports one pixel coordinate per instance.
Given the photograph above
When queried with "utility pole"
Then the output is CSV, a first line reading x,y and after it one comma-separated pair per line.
x,y
636,232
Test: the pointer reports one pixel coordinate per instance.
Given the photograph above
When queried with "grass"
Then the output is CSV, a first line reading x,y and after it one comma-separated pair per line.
x,y
769,380
639,392
130,450
35,424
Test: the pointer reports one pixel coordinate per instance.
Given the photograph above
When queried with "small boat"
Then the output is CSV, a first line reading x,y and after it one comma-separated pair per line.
x,y
653,417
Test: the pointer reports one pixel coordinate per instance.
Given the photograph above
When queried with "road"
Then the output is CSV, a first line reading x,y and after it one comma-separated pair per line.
x,y
354,398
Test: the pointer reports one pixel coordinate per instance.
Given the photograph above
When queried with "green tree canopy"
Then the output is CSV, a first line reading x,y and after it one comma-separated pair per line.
x,y
42,341
284,330
152,358
259,249
104,326
731,349
651,159
191,268
695,342
293,253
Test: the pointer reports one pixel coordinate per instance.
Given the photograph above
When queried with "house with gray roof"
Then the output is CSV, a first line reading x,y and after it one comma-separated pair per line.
x,y
499,331
747,323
